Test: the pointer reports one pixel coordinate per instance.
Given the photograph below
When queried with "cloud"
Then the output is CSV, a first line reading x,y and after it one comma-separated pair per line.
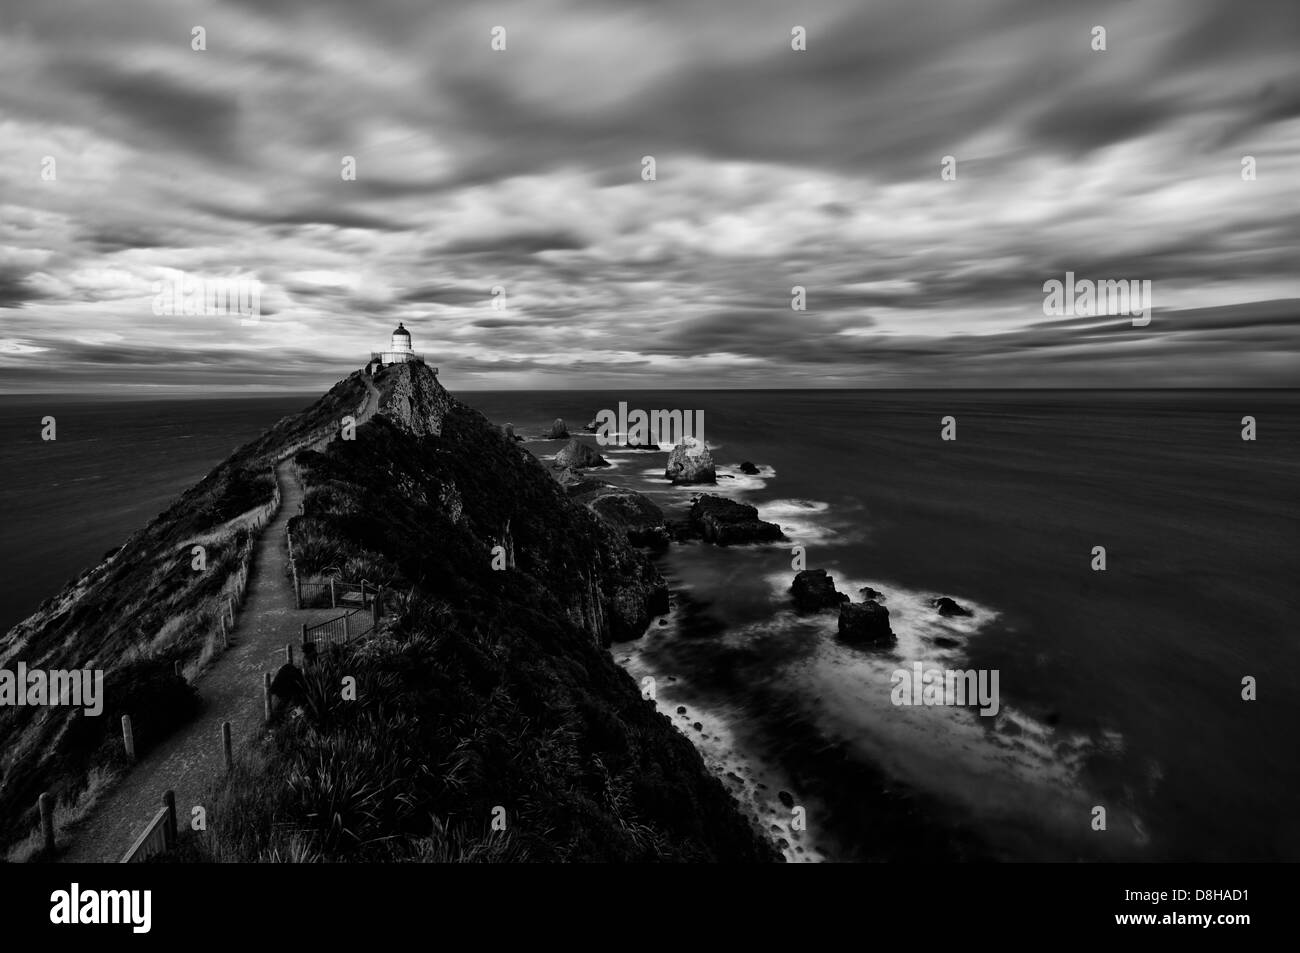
x,y
521,171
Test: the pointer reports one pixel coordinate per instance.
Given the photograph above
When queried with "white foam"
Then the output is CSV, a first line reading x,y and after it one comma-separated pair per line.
x,y
1011,766
744,482
804,521
718,746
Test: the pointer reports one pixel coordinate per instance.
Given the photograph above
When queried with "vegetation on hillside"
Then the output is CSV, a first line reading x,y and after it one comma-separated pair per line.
x,y
482,694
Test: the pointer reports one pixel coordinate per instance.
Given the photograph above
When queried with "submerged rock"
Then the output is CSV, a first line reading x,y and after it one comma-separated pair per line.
x,y
728,523
865,622
948,607
632,444
814,590
575,481
748,467
577,454
690,462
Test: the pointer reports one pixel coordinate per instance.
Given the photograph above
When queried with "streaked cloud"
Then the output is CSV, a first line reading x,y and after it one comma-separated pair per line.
x,y
521,171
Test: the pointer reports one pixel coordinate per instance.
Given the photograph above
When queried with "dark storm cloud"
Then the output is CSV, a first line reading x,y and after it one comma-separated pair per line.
x,y
442,293
15,289
180,115
107,238
515,245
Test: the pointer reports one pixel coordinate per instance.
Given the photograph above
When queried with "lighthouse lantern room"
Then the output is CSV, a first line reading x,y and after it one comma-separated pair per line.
x,y
399,352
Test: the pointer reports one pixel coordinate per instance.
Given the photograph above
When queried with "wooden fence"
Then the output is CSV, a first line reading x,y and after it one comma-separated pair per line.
x,y
159,837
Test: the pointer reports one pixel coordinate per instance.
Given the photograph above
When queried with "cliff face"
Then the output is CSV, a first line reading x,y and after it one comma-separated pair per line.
x,y
411,397
497,493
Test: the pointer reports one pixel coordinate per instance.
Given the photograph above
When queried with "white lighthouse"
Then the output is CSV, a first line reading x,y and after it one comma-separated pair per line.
x,y
399,351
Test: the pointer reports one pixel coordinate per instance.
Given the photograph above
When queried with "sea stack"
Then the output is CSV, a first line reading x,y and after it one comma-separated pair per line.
x,y
690,462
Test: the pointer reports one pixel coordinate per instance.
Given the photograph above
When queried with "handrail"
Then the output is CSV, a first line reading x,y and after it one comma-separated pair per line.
x,y
153,841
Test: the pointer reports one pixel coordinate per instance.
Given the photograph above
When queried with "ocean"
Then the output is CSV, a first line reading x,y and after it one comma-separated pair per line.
x,y
1119,690
113,466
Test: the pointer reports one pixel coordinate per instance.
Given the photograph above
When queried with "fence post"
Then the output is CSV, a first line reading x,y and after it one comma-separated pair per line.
x,y
333,601
46,804
225,635
266,694
230,604
346,633
288,653
306,656
225,745
128,739
169,826
176,668
297,590
374,608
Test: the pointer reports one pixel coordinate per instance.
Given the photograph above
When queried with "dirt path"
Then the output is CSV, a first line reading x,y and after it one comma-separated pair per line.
x,y
231,690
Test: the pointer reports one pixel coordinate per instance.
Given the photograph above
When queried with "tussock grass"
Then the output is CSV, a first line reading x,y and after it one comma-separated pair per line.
x,y
68,814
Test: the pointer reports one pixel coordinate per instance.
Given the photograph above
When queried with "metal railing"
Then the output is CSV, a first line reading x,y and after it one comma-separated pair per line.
x,y
337,631
392,357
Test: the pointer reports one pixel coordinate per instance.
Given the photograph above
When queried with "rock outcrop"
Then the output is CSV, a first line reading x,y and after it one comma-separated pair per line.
x,y
578,455
558,431
725,522
948,607
690,462
415,401
865,623
747,467
633,514
814,590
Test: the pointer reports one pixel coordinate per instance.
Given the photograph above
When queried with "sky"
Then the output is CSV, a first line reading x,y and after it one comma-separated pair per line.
x,y
501,208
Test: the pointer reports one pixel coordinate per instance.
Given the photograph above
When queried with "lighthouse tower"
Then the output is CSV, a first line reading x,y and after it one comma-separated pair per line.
x,y
399,352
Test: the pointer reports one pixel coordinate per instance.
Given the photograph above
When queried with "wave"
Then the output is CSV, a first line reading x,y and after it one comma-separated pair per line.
x,y
1010,766
756,782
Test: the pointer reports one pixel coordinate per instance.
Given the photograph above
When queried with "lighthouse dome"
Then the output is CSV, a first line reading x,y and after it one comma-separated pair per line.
x,y
401,331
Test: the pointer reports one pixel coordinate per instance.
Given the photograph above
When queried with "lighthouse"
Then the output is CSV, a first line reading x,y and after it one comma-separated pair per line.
x,y
399,352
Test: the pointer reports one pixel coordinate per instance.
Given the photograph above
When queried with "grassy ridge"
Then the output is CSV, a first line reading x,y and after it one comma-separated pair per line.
x,y
136,614
485,692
